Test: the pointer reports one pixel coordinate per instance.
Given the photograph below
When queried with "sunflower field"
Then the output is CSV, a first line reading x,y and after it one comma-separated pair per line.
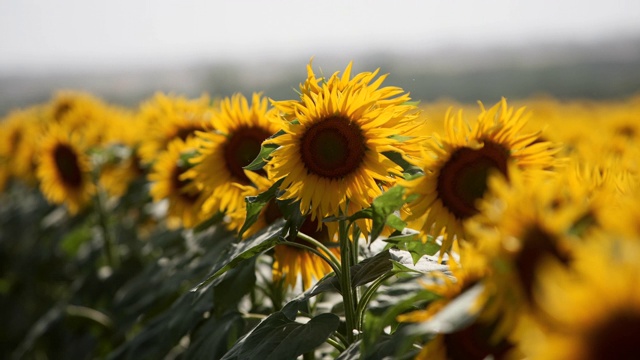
x,y
350,222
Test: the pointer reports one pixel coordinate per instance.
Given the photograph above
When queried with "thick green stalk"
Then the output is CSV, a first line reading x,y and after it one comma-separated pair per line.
x,y
348,297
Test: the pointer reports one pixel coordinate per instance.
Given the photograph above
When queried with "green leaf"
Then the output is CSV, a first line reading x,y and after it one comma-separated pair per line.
x,y
211,340
456,315
407,167
383,206
371,268
403,261
278,337
216,218
259,162
413,244
255,204
166,330
392,300
253,246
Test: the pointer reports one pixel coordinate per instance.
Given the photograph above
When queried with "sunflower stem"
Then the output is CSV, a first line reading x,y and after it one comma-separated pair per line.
x,y
368,295
109,255
352,327
335,267
322,247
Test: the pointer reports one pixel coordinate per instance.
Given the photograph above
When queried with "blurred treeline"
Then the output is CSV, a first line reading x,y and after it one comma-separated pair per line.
x,y
603,70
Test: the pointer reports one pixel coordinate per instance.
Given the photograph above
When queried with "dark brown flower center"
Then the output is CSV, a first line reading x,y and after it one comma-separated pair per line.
x,y
473,342
536,245
463,178
178,185
241,148
615,338
333,148
67,165
187,130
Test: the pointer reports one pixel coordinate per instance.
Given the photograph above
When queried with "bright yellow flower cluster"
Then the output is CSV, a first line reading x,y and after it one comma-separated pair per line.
x,y
538,205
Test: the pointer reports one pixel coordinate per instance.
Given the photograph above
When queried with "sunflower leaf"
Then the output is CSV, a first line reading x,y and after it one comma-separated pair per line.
x,y
278,337
255,204
406,166
259,162
383,206
253,246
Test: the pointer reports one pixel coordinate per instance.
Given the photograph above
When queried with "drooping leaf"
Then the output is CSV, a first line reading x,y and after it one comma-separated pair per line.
x,y
256,244
397,158
259,162
414,245
371,268
390,301
165,331
211,339
278,337
383,206
403,262
255,204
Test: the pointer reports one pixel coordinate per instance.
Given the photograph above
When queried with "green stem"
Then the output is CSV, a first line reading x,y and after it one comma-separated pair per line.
x,y
334,266
104,227
336,344
345,282
368,295
321,246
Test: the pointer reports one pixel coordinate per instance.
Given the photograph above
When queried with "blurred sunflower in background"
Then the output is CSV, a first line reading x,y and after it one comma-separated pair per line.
x,y
20,132
592,310
457,167
184,197
476,340
121,164
331,154
166,117
64,170
238,130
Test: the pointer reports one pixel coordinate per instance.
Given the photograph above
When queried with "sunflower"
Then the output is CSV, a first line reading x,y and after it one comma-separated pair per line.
x,y
19,135
457,167
184,197
593,309
64,170
239,130
524,223
331,157
166,117
121,164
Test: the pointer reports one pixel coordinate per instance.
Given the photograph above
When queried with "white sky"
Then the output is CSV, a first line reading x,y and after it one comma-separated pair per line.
x,y
55,34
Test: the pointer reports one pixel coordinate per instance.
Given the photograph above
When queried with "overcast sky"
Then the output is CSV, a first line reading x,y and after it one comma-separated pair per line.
x,y
39,35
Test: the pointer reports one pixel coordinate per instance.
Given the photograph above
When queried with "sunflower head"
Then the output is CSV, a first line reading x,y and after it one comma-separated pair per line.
x,y
331,153
184,197
64,170
238,130
166,117
458,166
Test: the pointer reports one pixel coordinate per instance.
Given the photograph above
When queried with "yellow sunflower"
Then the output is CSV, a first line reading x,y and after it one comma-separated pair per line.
x,y
19,135
593,309
239,130
121,164
523,224
166,117
456,167
184,197
64,170
331,156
